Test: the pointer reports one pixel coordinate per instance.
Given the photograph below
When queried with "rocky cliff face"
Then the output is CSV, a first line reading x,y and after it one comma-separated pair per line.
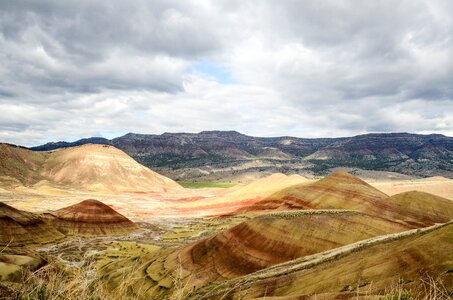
x,y
205,155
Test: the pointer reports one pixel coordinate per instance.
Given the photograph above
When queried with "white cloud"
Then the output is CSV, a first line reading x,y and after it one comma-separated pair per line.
x,y
81,68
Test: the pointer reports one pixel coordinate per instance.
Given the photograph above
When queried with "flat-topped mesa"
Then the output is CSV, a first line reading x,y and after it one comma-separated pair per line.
x,y
91,218
21,228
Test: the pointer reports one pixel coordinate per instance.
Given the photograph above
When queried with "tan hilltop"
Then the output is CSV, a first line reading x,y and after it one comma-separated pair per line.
x,y
90,167
432,208
340,190
91,218
246,195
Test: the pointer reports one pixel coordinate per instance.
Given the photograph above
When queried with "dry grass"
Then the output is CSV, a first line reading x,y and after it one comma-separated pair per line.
x,y
58,282
429,288
287,214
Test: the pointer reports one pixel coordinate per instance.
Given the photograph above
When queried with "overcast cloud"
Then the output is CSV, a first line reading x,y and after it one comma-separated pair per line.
x,y
73,69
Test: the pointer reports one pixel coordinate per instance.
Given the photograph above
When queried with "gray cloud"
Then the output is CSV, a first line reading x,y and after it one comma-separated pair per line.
x,y
79,68
84,46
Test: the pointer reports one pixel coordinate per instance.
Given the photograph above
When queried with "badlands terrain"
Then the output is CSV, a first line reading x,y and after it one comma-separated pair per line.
x,y
87,221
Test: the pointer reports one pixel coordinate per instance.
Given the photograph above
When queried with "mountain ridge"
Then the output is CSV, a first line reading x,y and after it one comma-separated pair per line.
x,y
198,156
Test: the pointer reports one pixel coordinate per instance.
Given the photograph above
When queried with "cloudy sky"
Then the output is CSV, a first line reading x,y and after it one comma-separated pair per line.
x,y
73,69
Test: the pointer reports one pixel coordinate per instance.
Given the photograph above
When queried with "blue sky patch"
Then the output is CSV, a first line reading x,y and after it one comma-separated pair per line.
x,y
215,71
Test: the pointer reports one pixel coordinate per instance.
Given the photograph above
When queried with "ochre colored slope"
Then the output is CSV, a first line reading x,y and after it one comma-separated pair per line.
x,y
102,167
97,168
375,268
341,190
271,239
19,166
20,228
433,208
91,218
245,195
253,245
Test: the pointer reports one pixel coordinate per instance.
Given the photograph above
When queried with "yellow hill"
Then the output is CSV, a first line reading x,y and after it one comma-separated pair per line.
x,y
98,168
103,168
245,195
19,166
250,246
341,190
366,268
433,208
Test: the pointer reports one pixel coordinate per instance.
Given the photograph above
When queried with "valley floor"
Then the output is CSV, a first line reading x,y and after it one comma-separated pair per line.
x,y
152,206
174,223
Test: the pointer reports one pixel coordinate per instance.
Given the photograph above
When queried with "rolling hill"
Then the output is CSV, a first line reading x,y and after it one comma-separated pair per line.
x,y
248,247
99,168
90,218
433,208
340,190
365,269
20,228
244,195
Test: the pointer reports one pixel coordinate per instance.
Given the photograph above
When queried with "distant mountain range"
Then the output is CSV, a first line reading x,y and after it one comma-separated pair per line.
x,y
230,155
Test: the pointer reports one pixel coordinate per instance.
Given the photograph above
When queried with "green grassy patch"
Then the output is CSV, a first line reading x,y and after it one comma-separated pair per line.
x,y
199,185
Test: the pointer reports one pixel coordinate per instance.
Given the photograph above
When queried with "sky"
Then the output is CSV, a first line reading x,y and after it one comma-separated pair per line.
x,y
74,69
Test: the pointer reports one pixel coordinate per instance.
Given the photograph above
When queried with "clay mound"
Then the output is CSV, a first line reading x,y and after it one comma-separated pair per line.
x,y
91,218
19,166
97,168
253,245
373,269
20,228
103,168
246,195
341,190
278,237
434,208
